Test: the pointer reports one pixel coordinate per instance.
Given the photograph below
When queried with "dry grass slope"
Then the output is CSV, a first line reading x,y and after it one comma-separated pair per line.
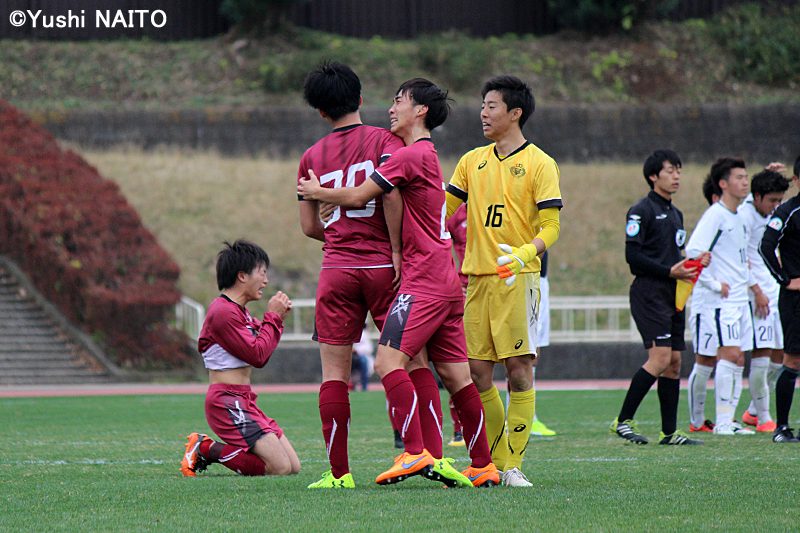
x,y
193,201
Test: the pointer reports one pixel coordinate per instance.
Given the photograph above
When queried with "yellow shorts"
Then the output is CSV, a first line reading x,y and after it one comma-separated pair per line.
x,y
500,321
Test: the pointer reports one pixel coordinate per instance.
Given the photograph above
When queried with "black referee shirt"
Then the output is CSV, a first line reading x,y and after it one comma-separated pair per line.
x,y
783,234
654,237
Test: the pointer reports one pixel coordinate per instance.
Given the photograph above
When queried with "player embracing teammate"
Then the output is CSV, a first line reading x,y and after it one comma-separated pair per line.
x,y
427,311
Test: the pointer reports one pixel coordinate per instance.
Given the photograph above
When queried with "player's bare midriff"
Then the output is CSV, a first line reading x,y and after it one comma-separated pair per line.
x,y
234,376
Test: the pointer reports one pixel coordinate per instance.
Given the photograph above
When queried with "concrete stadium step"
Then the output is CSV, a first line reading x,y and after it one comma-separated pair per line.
x,y
33,348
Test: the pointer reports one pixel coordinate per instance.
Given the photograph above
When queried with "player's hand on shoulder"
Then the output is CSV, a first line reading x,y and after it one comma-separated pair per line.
x,y
308,186
280,304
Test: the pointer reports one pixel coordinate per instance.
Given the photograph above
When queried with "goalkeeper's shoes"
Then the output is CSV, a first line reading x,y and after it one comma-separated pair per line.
x,y
678,438
627,431
406,465
330,482
514,477
538,429
485,477
193,461
443,471
458,439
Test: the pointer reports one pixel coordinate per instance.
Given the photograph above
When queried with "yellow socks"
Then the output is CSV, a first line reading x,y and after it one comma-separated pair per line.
x,y
520,416
495,426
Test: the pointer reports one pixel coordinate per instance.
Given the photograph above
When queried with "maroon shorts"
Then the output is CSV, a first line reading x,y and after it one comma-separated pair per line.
x,y
415,322
232,414
344,295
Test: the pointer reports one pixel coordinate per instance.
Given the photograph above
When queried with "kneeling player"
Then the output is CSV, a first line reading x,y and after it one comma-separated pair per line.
x,y
232,342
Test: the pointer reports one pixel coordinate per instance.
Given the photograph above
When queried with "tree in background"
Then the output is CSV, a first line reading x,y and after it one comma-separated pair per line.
x,y
606,16
258,14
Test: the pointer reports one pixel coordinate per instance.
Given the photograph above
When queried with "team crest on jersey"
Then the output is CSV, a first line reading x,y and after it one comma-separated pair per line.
x,y
483,164
775,223
680,237
518,170
632,228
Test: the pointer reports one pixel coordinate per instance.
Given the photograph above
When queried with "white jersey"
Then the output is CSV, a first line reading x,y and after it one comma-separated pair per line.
x,y
728,233
759,274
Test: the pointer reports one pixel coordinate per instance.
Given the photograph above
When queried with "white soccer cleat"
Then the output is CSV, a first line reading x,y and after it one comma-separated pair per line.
x,y
515,478
732,429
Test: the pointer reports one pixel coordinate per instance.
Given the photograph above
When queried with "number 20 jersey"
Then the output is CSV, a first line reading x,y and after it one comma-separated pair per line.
x,y
503,198
354,238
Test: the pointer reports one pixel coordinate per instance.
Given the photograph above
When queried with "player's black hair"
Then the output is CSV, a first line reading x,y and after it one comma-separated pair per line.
x,y
796,167
333,88
768,181
721,169
655,162
516,94
241,256
709,189
425,92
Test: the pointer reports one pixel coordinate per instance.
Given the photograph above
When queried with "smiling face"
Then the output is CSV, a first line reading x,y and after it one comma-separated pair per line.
x,y
496,118
668,180
403,114
253,283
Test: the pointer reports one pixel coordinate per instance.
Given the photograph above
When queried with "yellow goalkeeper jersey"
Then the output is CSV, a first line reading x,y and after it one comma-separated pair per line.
x,y
504,196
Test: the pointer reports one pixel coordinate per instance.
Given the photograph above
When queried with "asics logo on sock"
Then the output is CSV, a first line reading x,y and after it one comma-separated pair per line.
x,y
520,427
412,463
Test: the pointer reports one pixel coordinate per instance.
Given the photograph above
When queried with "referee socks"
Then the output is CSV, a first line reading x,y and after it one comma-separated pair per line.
x,y
640,385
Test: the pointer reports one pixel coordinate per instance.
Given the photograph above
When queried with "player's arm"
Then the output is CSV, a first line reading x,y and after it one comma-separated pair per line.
x,y
769,247
456,190
310,220
393,213
357,197
240,342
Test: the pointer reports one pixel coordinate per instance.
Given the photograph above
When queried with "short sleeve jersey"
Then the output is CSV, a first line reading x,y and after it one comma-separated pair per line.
x,y
727,232
354,238
657,226
504,197
428,267
758,270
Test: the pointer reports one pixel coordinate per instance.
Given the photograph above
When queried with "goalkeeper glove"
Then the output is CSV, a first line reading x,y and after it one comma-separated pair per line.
x,y
514,261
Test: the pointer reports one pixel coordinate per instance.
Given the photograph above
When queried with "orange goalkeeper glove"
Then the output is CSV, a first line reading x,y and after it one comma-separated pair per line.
x,y
514,261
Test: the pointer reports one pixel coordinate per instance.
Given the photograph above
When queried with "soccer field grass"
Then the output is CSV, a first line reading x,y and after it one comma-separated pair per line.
x,y
111,463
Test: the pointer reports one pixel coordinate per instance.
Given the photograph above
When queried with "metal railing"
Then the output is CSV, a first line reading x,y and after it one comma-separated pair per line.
x,y
189,316
572,319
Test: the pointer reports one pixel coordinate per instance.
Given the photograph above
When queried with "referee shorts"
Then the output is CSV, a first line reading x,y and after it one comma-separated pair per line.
x,y
500,320
789,307
653,310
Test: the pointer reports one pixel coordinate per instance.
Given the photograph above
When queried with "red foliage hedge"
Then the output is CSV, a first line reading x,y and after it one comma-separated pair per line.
x,y
84,246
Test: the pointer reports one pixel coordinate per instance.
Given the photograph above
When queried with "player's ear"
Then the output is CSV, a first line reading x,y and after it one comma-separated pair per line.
x,y
516,113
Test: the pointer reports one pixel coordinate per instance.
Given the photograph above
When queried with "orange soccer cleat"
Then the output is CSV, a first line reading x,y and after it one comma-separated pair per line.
x,y
406,465
706,427
488,476
750,420
192,461
767,427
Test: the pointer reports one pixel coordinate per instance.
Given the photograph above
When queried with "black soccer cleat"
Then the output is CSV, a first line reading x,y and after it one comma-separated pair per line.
x,y
627,431
784,434
678,439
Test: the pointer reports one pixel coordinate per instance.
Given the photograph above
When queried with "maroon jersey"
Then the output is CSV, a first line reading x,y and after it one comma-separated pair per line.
x,y
428,268
457,226
354,238
232,338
